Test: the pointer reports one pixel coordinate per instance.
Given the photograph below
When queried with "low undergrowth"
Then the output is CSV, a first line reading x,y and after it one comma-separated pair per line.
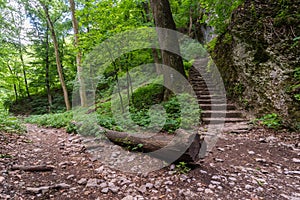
x,y
10,124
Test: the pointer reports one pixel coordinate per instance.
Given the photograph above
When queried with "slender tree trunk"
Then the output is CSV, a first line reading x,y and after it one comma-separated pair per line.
x,y
47,66
163,18
21,57
155,53
58,61
14,84
24,72
82,90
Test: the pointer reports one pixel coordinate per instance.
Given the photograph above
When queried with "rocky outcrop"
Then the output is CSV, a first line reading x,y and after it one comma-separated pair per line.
x,y
258,57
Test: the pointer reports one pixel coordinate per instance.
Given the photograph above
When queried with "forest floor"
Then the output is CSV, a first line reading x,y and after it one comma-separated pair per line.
x,y
261,164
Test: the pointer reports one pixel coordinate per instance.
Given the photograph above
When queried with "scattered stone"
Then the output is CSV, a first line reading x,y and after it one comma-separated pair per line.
x,y
149,185
82,181
105,190
103,185
129,197
208,191
219,160
1,179
260,160
168,183
70,177
211,186
296,160
215,182
183,177
172,167
114,189
248,187
232,179
142,189
221,149
251,152
92,182
215,177
292,172
61,186
100,169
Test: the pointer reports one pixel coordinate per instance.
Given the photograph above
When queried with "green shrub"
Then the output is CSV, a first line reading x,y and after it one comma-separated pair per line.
x,y
10,124
58,120
271,121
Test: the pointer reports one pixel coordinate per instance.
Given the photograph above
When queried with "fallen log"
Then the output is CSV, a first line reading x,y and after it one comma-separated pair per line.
x,y
37,168
181,146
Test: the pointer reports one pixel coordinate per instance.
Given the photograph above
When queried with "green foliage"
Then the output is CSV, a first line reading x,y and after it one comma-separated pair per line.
x,y
219,13
211,45
5,156
295,86
147,95
38,105
58,120
182,168
272,121
149,112
10,124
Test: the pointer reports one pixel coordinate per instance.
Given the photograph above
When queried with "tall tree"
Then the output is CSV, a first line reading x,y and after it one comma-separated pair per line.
x,y
82,92
168,40
57,56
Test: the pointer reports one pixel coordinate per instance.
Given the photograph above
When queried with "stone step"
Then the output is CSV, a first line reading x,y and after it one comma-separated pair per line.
x,y
221,114
217,107
211,97
209,101
209,120
205,93
205,89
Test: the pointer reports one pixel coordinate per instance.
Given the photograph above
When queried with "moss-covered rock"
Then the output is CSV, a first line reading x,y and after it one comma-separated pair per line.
x,y
258,56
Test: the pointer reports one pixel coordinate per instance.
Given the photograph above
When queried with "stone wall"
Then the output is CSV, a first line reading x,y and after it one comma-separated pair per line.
x,y
258,56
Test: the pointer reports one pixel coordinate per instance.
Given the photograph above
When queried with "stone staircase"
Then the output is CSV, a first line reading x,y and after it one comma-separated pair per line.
x,y
215,108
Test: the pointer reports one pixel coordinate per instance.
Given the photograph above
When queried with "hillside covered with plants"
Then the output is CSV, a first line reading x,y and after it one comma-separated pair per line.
x,y
46,44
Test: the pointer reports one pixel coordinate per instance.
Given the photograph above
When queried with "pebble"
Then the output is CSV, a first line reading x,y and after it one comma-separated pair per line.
x,y
248,187
105,190
114,189
142,189
1,179
103,185
129,197
232,179
92,182
168,183
219,160
82,181
251,152
260,160
296,160
208,191
215,177
38,190
149,185
215,182
70,177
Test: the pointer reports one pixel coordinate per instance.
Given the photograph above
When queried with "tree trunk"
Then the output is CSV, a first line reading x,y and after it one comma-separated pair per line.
x,y
58,62
82,92
167,40
14,84
24,71
155,52
47,66
168,143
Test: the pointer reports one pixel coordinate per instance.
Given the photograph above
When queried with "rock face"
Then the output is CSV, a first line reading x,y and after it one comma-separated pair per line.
x,y
259,57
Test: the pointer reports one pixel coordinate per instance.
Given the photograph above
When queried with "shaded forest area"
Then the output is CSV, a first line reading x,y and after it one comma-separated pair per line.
x,y
106,68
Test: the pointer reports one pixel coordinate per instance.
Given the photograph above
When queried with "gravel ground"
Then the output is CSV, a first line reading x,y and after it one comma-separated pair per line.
x,y
261,164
